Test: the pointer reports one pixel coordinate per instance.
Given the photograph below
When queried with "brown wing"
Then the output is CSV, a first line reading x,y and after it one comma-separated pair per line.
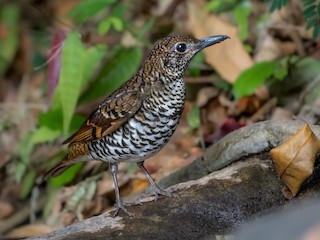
x,y
108,117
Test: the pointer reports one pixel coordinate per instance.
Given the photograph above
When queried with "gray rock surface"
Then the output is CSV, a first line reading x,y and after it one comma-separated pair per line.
x,y
211,202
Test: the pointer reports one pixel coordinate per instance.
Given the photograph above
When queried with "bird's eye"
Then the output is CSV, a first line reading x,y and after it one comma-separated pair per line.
x,y
181,47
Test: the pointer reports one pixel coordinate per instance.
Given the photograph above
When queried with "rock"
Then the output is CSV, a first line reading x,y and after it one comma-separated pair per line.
x,y
211,202
300,221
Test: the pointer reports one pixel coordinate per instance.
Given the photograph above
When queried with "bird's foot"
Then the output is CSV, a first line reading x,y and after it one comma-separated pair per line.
x,y
158,191
122,206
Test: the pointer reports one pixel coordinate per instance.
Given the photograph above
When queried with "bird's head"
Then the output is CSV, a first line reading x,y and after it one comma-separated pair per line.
x,y
173,53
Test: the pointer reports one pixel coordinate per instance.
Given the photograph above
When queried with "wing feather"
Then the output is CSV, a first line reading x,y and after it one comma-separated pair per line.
x,y
108,117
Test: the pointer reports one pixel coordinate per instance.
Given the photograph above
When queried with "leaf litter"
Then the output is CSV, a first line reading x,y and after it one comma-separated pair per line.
x,y
23,99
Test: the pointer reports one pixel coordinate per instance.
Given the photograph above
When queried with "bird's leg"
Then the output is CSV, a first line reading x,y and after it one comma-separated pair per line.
x,y
157,190
119,203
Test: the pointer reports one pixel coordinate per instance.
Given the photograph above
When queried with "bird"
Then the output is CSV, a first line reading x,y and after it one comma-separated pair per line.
x,y
137,120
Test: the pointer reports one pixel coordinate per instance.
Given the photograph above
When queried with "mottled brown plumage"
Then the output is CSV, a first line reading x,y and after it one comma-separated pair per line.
x,y
138,119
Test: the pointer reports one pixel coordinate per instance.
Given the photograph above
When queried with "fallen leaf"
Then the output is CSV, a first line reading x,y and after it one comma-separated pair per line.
x,y
294,158
216,111
6,209
267,48
280,113
205,94
63,8
221,58
30,230
264,110
105,185
138,185
248,104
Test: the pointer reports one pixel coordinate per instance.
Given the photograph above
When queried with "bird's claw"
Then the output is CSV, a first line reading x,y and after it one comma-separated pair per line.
x,y
159,191
122,206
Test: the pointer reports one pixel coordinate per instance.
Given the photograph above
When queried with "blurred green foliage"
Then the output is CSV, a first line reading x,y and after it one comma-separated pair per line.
x,y
241,11
194,68
311,13
89,73
250,79
265,72
86,74
86,10
193,118
10,17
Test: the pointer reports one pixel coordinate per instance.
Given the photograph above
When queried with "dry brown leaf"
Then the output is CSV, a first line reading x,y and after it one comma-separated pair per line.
x,y
62,9
138,185
248,104
230,58
105,185
205,95
6,209
30,230
264,110
217,111
267,48
294,158
280,113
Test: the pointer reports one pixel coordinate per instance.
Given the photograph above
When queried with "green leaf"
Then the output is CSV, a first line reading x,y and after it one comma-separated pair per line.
x,y
193,118
56,101
20,169
148,25
222,85
119,10
76,122
277,4
52,119
44,134
9,18
67,176
316,32
194,68
274,6
311,23
282,3
309,12
308,2
92,58
71,74
252,78
219,6
88,8
242,13
104,26
212,6
280,72
117,24
119,69
308,69
24,149
51,126
27,183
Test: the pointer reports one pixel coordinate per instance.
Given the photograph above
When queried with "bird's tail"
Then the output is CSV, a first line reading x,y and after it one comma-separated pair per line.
x,y
77,152
56,171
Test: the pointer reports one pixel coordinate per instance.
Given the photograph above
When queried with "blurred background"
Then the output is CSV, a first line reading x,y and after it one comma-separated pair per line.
x,y
59,59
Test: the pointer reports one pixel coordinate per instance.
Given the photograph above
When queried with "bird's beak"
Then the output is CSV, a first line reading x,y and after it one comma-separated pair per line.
x,y
209,41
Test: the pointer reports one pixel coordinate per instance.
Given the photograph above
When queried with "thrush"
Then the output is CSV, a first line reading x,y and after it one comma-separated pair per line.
x,y
137,120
